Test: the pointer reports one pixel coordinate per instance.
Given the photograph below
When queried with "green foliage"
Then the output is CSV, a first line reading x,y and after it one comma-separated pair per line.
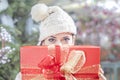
x,y
9,70
18,9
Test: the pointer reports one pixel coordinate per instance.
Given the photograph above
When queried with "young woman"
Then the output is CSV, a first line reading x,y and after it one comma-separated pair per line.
x,y
56,28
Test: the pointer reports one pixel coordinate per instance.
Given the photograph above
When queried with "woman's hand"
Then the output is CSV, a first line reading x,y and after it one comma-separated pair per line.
x,y
101,74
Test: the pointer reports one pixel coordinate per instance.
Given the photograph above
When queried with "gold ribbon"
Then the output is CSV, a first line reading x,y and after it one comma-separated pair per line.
x,y
75,61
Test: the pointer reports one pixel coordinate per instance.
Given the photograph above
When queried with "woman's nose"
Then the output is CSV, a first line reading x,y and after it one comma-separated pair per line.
x,y
59,43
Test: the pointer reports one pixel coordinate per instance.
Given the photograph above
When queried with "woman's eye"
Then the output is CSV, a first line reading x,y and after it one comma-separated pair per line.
x,y
51,40
66,39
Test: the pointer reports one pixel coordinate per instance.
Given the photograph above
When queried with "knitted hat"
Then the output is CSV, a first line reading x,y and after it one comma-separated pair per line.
x,y
53,20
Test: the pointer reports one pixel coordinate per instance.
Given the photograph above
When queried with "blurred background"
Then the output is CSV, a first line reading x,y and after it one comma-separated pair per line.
x,y
97,21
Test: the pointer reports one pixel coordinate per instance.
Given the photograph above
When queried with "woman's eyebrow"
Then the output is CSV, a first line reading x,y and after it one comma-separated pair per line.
x,y
66,37
52,36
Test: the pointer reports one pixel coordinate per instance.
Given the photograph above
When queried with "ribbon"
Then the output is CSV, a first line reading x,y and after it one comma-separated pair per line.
x,y
71,69
50,65
74,63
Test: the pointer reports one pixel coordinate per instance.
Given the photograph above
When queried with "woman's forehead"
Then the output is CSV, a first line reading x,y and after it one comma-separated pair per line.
x,y
61,34
64,33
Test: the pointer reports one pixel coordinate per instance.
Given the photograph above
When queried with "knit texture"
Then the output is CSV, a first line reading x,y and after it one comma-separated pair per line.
x,y
53,20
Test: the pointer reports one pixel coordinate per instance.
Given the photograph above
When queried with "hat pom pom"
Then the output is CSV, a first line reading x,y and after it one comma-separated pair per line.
x,y
39,12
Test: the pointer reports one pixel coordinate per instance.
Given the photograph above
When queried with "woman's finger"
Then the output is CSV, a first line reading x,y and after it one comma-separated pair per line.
x,y
102,77
101,70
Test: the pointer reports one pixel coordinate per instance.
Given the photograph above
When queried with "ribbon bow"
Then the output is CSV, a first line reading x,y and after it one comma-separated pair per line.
x,y
52,68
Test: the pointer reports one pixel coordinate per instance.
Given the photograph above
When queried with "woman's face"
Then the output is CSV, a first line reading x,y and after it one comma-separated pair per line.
x,y
59,39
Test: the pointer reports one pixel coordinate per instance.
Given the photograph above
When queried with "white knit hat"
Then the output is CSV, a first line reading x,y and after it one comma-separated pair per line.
x,y
53,20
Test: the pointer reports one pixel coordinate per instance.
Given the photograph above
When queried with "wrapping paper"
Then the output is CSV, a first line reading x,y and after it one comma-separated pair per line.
x,y
69,63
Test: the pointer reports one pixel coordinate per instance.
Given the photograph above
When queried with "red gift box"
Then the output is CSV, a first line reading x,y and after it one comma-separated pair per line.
x,y
33,59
